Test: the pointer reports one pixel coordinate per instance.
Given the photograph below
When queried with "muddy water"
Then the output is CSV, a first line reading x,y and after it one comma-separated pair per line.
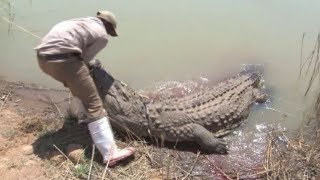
x,y
180,40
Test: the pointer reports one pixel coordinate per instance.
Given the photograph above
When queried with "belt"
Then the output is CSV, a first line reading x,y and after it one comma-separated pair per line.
x,y
58,56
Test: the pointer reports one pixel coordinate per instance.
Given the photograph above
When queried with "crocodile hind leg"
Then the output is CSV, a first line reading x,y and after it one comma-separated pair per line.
x,y
207,141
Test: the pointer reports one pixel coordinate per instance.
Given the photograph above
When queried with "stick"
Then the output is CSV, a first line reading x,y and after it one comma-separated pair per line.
x,y
5,101
301,52
184,171
220,170
62,153
168,167
69,99
105,170
55,105
93,148
192,166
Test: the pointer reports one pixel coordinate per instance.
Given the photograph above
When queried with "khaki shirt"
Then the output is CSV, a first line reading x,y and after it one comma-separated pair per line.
x,y
86,36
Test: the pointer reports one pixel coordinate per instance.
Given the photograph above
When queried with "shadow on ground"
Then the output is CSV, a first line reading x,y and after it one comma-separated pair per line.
x,y
70,133
73,133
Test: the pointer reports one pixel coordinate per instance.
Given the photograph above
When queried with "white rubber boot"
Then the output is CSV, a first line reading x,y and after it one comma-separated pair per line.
x,y
102,136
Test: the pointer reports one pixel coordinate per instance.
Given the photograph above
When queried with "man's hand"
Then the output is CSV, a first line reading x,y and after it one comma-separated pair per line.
x,y
95,63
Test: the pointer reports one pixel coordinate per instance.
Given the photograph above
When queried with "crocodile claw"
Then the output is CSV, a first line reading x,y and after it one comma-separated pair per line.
x,y
220,146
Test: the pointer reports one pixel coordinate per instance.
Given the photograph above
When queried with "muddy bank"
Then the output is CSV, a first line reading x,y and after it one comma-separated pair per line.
x,y
38,116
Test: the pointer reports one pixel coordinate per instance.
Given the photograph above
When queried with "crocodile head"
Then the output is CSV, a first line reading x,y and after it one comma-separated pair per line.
x,y
124,105
259,95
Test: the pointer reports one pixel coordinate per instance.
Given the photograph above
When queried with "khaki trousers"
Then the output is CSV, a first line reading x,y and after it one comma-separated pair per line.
x,y
74,74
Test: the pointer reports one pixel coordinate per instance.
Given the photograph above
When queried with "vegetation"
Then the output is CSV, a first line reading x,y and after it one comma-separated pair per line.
x,y
297,156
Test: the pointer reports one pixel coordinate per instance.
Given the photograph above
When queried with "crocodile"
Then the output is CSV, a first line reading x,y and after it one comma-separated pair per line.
x,y
202,117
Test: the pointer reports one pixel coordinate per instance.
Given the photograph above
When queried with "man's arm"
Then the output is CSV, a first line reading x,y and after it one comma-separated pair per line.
x,y
93,49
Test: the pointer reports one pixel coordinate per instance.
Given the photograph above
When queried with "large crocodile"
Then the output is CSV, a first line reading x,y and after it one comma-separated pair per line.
x,y
201,116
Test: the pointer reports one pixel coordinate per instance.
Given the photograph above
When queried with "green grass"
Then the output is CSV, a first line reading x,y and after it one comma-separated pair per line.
x,y
81,170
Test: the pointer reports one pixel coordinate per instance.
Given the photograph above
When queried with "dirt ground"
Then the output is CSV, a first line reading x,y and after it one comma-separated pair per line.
x,y
24,111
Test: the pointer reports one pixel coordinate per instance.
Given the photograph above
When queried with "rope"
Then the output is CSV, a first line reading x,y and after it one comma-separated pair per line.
x,y
21,28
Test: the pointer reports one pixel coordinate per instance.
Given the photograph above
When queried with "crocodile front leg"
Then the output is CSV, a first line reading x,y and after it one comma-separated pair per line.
x,y
207,141
178,126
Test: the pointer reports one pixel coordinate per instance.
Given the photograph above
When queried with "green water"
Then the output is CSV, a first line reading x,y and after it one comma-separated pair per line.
x,y
177,40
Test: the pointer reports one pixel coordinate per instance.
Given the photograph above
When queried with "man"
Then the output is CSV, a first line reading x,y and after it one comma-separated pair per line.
x,y
64,54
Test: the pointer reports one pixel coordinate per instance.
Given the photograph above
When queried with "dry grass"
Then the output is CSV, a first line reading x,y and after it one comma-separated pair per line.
x,y
294,157
297,156
143,167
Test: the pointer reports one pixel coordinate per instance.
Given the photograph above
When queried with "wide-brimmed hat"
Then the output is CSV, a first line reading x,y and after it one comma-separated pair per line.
x,y
110,18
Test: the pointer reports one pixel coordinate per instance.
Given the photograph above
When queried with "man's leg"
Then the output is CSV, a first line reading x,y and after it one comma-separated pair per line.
x,y
75,75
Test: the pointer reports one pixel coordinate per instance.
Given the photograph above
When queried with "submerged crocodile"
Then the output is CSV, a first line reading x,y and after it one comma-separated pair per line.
x,y
200,117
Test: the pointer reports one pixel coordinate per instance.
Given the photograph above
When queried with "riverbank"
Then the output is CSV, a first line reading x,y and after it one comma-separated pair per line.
x,y
40,139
